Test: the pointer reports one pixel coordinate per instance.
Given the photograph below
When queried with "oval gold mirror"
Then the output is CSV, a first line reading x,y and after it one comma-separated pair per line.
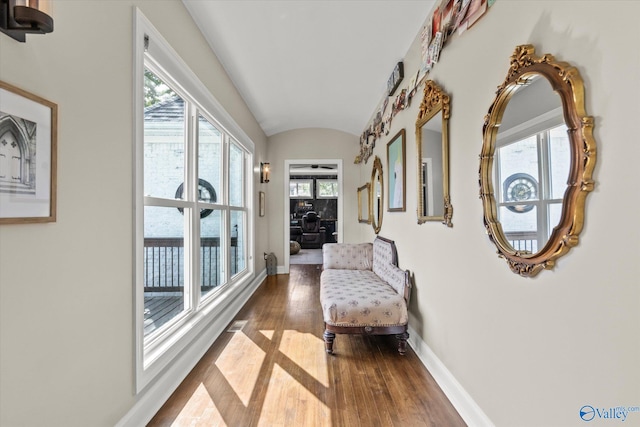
x,y
432,144
537,160
377,195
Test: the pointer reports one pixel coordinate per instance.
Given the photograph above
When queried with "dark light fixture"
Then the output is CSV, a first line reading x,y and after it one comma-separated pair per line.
x,y
21,17
265,172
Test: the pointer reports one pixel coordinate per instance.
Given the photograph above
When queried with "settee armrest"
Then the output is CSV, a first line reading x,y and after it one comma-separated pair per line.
x,y
398,279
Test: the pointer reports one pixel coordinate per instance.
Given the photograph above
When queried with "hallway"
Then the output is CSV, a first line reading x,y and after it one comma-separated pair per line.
x,y
273,371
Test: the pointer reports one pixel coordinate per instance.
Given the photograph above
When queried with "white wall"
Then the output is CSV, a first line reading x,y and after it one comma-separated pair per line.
x,y
532,352
66,328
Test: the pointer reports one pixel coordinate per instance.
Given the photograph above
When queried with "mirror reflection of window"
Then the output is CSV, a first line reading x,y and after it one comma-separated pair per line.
x,y
532,173
427,187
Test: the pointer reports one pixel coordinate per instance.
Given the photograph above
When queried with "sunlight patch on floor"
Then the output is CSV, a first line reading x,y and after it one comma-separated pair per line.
x,y
306,351
268,334
240,363
302,407
200,410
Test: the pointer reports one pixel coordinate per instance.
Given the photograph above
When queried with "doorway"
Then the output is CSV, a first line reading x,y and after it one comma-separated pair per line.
x,y
312,185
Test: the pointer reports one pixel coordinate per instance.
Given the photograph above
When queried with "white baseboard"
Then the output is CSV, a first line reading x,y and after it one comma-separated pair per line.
x,y
468,409
151,399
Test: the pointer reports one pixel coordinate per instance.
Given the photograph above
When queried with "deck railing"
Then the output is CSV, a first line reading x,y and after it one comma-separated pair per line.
x,y
164,263
523,241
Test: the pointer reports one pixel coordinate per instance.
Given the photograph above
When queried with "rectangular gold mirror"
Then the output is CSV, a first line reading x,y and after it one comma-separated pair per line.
x,y
364,205
432,139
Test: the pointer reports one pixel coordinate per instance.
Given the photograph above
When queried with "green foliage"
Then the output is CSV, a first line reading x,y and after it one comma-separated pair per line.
x,y
154,89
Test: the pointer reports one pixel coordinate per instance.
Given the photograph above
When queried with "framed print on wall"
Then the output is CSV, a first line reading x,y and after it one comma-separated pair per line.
x,y
261,198
395,78
28,163
396,165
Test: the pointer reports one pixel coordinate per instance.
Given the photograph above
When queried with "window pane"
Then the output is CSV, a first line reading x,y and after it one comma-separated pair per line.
x,y
209,149
164,266
560,159
211,253
326,188
236,175
164,139
300,189
555,211
238,242
517,159
520,228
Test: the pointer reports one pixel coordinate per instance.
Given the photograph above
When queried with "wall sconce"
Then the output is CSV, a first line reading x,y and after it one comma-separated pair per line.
x,y
20,17
265,172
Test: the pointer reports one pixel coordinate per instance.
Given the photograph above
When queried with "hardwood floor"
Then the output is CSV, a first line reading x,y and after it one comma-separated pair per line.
x,y
274,371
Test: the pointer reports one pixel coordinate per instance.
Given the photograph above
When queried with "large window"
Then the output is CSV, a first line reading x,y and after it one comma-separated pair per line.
x,y
193,181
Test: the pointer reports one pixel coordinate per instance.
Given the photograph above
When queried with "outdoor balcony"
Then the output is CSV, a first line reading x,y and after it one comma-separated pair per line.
x,y
164,274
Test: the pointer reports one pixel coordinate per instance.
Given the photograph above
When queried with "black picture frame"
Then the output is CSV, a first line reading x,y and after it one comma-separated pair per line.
x,y
395,78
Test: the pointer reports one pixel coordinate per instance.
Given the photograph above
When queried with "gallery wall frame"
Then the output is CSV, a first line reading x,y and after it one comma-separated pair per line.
x,y
395,78
397,166
28,157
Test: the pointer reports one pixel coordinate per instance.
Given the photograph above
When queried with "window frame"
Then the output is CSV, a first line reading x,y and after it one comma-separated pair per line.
x,y
153,356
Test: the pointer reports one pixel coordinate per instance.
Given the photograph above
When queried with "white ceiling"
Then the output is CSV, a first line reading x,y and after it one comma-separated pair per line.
x,y
310,63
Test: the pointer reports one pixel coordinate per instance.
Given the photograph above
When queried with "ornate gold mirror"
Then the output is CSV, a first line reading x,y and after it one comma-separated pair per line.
x,y
432,139
377,195
364,207
537,161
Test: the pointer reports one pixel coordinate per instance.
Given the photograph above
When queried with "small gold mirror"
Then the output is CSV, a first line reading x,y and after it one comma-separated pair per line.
x,y
432,139
377,195
537,161
364,206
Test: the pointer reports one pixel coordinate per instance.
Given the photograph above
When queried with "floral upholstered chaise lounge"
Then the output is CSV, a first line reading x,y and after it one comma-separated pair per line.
x,y
362,291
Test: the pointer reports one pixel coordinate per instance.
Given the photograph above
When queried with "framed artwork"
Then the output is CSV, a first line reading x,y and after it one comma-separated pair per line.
x,y
395,78
28,162
396,165
261,203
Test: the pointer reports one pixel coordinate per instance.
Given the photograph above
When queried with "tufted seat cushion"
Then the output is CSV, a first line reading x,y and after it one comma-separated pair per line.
x,y
360,298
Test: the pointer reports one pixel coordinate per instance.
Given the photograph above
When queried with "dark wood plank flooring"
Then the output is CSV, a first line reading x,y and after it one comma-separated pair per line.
x,y
274,372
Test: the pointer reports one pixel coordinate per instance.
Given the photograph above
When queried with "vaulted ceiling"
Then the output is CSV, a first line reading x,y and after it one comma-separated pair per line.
x,y
310,63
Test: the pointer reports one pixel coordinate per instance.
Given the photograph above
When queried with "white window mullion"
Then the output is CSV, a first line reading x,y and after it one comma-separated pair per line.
x,y
544,190
188,194
226,214
194,231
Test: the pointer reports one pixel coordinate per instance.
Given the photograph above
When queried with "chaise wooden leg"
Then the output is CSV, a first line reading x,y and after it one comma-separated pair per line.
x,y
402,342
328,341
